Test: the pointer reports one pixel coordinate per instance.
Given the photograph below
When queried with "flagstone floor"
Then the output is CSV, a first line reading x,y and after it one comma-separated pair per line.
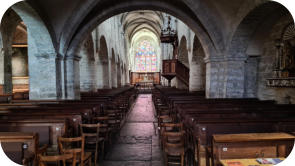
x,y
137,143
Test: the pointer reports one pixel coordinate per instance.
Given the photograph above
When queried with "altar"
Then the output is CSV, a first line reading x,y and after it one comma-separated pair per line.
x,y
144,78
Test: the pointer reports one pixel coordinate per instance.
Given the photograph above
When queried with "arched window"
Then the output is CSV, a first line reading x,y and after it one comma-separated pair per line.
x,y
145,57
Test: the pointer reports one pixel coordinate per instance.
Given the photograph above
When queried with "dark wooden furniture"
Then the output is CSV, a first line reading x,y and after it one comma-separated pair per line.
x,y
145,78
174,68
91,134
61,118
27,142
251,145
69,145
48,129
57,158
174,147
203,118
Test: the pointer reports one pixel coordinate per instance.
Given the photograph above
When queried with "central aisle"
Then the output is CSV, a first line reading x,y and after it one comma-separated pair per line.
x,y
137,143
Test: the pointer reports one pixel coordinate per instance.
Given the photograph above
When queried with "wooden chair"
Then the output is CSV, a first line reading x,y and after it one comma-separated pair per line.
x,y
174,148
115,116
91,134
164,119
170,127
104,131
58,158
163,110
71,145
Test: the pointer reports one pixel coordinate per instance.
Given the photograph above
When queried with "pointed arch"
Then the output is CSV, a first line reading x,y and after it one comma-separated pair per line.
x,y
103,73
87,65
183,52
197,67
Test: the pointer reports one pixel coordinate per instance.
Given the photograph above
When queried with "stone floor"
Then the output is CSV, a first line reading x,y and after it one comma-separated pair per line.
x,y
137,143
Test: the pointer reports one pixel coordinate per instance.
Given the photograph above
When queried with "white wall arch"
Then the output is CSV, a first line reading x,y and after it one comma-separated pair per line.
x,y
87,65
103,81
137,39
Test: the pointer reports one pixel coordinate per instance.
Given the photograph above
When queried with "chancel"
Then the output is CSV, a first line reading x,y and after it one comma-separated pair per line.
x,y
147,83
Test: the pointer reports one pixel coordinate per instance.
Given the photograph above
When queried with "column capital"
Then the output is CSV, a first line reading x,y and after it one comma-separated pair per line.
x,y
72,57
59,57
224,59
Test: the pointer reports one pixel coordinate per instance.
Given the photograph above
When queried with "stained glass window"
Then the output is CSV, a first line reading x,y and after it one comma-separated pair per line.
x,y
145,58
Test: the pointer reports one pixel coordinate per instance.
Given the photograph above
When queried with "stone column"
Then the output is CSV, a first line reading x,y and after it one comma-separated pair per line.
x,y
235,82
196,80
127,77
88,76
103,81
110,74
225,77
7,70
72,78
251,76
43,76
215,77
114,75
119,82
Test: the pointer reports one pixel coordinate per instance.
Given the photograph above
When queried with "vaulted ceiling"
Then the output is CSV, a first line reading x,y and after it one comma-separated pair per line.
x,y
142,20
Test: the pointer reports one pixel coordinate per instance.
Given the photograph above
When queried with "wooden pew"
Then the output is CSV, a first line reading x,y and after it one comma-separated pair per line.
x,y
48,129
202,115
86,113
19,146
251,145
203,129
74,119
55,118
5,98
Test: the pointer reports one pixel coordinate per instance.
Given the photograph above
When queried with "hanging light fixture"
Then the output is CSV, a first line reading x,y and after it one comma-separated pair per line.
x,y
168,35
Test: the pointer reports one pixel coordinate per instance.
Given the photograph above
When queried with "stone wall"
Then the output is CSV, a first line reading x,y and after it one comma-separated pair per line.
x,y
281,95
115,45
87,66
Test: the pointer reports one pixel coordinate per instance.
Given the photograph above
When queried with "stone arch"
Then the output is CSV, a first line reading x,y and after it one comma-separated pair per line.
x,y
247,45
197,67
183,52
45,82
103,50
87,65
113,69
261,51
9,23
103,65
207,37
251,24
